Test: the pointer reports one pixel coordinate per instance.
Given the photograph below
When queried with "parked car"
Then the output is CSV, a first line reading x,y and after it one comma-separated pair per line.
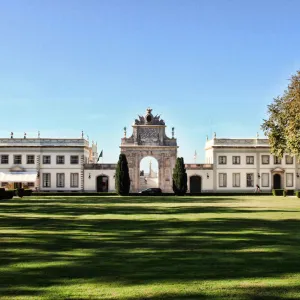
x,y
152,191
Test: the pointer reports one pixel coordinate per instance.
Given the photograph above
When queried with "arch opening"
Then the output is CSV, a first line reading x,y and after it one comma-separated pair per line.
x,y
102,183
195,184
149,173
277,181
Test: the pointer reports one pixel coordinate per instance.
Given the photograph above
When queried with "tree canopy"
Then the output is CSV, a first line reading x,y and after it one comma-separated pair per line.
x,y
283,125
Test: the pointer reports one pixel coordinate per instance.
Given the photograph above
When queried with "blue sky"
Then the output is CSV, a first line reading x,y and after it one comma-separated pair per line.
x,y
206,66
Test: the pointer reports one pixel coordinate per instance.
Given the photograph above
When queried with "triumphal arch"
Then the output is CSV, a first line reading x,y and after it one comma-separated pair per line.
x,y
149,139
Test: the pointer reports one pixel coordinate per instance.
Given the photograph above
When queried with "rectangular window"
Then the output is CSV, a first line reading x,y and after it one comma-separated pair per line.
x,y
265,159
277,160
60,159
4,159
236,160
17,159
222,179
289,160
265,179
4,184
250,160
74,179
250,180
30,184
236,179
30,159
46,180
46,159
222,160
74,159
289,179
60,180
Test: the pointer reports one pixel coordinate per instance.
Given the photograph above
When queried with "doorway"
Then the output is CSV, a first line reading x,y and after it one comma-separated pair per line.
x,y
102,184
195,184
276,181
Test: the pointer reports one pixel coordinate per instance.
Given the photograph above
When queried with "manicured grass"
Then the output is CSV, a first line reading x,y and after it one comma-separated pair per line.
x,y
150,248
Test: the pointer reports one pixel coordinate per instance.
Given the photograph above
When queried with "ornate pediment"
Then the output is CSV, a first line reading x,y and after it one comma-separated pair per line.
x,y
17,169
277,170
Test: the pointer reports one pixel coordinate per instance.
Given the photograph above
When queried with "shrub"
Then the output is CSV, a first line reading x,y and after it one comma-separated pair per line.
x,y
281,192
297,194
122,176
179,178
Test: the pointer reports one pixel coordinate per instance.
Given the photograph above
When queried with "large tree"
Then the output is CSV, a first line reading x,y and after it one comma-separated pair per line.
x,y
179,178
122,176
283,125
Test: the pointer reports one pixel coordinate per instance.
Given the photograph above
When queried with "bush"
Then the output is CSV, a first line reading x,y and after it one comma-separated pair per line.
x,y
179,178
282,192
297,193
122,176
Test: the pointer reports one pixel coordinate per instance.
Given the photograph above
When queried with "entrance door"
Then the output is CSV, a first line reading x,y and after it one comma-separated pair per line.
x,y
102,184
195,184
277,181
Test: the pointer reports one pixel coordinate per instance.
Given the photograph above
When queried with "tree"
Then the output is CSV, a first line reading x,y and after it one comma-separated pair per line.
x,y
122,176
283,125
179,178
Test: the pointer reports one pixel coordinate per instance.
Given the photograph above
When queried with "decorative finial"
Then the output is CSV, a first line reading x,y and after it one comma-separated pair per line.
x,y
215,135
82,134
257,135
39,134
11,135
24,135
88,138
207,137
125,132
173,129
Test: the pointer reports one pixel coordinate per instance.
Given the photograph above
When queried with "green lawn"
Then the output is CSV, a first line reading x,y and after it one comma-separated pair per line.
x,y
150,248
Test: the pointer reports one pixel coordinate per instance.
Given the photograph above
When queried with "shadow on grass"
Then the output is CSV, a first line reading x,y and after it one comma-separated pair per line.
x,y
50,250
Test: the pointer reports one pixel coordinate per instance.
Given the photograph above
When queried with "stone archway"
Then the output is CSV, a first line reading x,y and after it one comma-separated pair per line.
x,y
149,139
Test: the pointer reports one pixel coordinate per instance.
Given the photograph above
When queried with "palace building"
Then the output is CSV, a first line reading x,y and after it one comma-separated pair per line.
x,y
70,165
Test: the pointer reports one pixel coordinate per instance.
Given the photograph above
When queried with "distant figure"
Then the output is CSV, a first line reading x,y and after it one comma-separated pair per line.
x,y
145,179
257,189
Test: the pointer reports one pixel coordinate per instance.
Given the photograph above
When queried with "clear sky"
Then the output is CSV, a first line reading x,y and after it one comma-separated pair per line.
x,y
206,66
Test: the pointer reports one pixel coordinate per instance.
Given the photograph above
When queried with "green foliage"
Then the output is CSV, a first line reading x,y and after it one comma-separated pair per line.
x,y
297,193
179,178
280,192
282,126
122,176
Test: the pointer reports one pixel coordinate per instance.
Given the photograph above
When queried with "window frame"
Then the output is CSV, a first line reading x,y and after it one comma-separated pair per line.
x,y
286,160
27,159
57,180
236,160
77,159
262,180
2,156
44,159
252,180
277,160
45,180
262,159
15,157
234,180
248,160
72,180
222,159
224,176
286,179
60,157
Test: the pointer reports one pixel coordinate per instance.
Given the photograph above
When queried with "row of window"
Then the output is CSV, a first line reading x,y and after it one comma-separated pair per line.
x,y
265,160
265,181
60,180
30,159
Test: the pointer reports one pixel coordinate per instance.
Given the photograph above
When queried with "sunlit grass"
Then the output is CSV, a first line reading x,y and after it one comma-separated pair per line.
x,y
150,248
